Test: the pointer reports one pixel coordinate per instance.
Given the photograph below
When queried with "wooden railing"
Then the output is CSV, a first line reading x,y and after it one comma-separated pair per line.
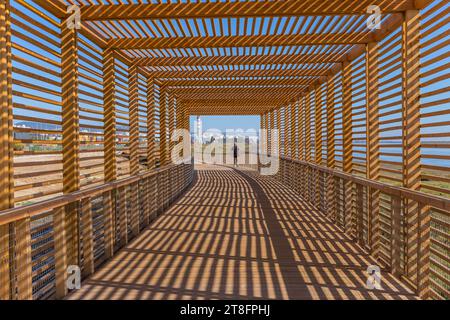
x,y
407,231
40,241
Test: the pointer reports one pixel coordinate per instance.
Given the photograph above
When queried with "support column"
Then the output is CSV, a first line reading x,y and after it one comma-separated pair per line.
x,y
308,147
272,127
417,217
163,127
71,136
109,101
301,129
267,127
373,143
6,144
318,125
172,120
286,144
134,119
331,148
293,130
151,131
347,124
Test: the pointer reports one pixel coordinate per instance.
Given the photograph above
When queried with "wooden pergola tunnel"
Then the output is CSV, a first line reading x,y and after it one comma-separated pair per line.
x,y
92,91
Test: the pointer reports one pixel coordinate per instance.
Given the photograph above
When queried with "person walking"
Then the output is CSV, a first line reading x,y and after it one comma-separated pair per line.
x,y
235,154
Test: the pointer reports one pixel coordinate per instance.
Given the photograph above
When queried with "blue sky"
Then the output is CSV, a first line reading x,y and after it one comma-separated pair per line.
x,y
228,122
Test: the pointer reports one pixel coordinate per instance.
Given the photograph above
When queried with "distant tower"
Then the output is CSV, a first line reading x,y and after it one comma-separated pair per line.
x,y
199,130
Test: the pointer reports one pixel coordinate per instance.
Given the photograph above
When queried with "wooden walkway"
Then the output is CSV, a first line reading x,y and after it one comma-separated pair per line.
x,y
237,235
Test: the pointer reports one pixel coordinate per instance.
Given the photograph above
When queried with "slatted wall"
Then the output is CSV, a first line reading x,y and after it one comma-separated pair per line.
x,y
359,115
122,108
338,129
143,117
90,90
435,136
36,103
390,100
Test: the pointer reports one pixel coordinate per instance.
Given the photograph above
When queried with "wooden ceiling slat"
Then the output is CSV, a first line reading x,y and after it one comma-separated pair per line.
x,y
236,9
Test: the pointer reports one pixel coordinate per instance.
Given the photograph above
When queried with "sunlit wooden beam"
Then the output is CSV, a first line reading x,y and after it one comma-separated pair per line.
x,y
238,9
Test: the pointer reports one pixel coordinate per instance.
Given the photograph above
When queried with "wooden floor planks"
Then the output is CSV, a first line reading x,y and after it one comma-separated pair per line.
x,y
237,235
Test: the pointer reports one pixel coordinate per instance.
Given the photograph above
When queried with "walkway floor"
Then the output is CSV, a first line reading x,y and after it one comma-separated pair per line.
x,y
237,235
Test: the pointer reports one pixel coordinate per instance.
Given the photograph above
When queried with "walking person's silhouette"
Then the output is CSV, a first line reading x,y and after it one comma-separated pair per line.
x,y
235,154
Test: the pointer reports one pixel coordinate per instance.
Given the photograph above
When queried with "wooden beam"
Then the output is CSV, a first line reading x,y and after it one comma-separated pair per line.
x,y
347,126
417,218
59,230
134,119
373,143
239,82
163,118
237,9
109,100
151,123
331,147
70,111
6,145
71,136
238,73
242,41
239,60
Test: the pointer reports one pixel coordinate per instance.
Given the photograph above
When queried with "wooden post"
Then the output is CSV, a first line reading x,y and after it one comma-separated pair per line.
x,y
331,149
271,128
6,144
71,135
318,134
373,143
59,231
123,216
308,146
134,147
163,127
22,251
267,127
286,143
318,126
109,100
88,237
134,119
396,236
293,130
347,124
359,211
417,266
172,121
109,220
151,131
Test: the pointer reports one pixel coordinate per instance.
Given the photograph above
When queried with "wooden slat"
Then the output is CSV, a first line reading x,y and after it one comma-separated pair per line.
x,y
411,139
151,122
6,115
6,149
232,9
373,142
110,115
134,119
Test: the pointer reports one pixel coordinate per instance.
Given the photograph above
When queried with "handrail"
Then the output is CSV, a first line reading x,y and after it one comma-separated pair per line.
x,y
405,230
424,198
84,228
28,211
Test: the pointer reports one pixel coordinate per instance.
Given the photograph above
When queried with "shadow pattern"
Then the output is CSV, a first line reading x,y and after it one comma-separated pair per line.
x,y
237,235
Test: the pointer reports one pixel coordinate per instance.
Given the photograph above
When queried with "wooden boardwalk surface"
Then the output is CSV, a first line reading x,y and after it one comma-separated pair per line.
x,y
237,235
